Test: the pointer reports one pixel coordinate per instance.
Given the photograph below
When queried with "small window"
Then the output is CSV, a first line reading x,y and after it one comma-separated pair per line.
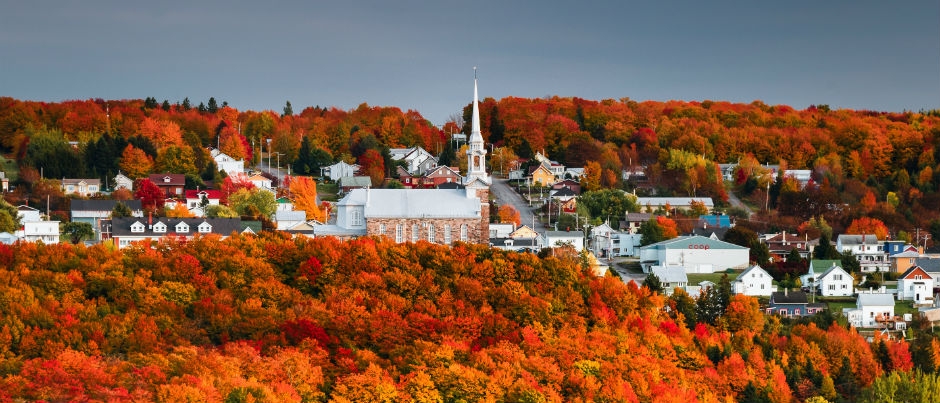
x,y
159,227
182,227
137,227
205,228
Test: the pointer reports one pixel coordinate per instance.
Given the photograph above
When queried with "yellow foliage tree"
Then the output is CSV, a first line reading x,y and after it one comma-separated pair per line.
x,y
135,162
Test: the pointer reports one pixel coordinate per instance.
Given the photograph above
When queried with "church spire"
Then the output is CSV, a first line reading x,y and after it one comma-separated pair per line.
x,y
476,153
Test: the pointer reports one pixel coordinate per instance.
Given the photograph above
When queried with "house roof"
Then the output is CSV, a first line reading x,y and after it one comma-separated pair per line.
x,y
822,265
670,274
442,170
850,239
450,185
634,217
293,215
168,179
674,201
930,265
683,242
121,226
835,269
414,203
355,181
66,181
911,270
564,234
756,269
516,242
564,192
906,254
789,297
713,220
875,299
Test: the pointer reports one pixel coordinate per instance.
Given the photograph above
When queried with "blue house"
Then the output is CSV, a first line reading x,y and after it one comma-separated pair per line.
x,y
792,303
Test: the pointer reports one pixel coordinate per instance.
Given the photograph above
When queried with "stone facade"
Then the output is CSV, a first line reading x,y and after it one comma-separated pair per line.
x,y
476,232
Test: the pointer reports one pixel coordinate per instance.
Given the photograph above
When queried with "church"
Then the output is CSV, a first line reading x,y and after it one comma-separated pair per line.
x,y
440,216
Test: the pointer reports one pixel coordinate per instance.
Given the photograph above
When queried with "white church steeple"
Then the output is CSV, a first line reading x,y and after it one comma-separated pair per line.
x,y
476,153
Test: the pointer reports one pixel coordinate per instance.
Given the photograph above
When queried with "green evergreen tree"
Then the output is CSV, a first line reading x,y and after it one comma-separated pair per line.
x,y
186,105
213,107
288,110
303,162
121,210
166,105
653,282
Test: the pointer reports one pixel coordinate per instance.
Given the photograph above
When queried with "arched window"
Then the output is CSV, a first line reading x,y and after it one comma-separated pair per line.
x,y
448,239
464,233
431,233
400,233
382,229
415,232
355,218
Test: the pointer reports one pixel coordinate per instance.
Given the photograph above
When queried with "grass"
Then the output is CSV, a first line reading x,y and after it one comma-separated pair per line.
x,y
9,167
695,278
327,191
902,307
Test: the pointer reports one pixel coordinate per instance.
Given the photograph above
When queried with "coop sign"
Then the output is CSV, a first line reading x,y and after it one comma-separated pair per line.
x,y
699,246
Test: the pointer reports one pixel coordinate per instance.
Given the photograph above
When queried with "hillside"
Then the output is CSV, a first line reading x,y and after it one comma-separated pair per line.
x,y
274,319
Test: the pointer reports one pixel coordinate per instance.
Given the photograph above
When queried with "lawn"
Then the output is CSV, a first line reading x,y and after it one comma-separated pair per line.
x,y
695,278
327,191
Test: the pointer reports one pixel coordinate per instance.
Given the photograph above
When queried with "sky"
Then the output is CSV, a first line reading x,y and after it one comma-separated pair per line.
x,y
420,55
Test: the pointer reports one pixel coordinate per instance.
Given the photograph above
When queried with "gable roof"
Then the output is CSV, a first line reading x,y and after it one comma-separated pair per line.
x,y
756,269
875,299
822,265
355,181
442,170
564,192
210,194
168,179
789,297
912,271
414,203
930,265
121,226
851,239
835,269
670,274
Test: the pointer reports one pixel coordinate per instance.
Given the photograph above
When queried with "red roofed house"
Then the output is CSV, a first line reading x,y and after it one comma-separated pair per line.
x,y
171,184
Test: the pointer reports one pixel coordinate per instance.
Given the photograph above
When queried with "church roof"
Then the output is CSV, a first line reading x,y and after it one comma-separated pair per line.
x,y
414,203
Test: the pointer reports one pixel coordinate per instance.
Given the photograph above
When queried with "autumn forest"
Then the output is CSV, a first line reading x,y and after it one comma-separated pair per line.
x,y
270,318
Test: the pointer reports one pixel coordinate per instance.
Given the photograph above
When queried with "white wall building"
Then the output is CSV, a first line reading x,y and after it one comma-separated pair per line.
x,y
867,249
45,231
870,310
339,170
557,238
227,164
754,281
835,282
698,254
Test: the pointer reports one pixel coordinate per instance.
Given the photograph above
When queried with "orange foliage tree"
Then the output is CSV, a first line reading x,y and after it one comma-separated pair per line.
x,y
304,196
868,225
509,214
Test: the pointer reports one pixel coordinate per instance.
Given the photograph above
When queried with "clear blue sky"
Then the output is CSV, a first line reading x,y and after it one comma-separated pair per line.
x,y
420,55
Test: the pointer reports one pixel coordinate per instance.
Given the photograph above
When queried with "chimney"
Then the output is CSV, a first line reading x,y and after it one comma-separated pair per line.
x,y
150,220
786,291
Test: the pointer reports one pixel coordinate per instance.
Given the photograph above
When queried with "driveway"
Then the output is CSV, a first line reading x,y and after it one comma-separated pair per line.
x,y
505,195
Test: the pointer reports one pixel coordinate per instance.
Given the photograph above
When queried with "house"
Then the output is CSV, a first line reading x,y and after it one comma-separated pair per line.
x,y
440,175
697,253
754,281
28,214
46,232
172,185
574,173
562,195
835,282
633,221
81,187
289,219
95,211
227,164
202,198
348,183
867,249
434,215
635,173
285,204
517,244
570,206
816,268
7,238
261,182
4,182
339,170
560,238
123,182
917,285
556,169
601,240
870,310
127,230
789,303
900,262
524,232
418,161
668,204
501,230
782,244
671,277
541,176
568,183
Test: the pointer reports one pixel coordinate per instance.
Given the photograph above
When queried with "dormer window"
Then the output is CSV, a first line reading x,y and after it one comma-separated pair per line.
x,y
205,228
166,179
182,227
137,227
159,227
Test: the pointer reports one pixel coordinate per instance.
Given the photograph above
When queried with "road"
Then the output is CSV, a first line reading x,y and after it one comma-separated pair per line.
x,y
505,195
736,202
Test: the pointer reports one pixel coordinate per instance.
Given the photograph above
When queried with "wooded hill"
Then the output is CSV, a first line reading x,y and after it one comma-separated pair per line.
x,y
273,319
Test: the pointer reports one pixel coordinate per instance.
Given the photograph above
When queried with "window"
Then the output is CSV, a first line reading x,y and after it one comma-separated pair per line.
x,y
838,277
400,233
182,227
844,286
355,218
431,233
159,227
918,277
204,228
463,233
137,227
447,237
832,286
415,232
762,286
382,229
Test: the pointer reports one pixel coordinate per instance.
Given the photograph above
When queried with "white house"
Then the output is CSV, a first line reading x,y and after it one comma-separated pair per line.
x,y
651,204
557,238
870,310
867,249
754,281
289,219
45,231
816,268
698,254
339,170
227,164
671,277
121,181
501,230
916,284
195,198
601,240
418,160
835,282
28,214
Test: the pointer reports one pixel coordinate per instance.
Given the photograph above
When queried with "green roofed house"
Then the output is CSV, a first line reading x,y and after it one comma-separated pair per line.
x,y
698,254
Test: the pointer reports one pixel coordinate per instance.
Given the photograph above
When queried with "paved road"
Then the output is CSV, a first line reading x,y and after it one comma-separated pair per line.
x,y
505,195
736,202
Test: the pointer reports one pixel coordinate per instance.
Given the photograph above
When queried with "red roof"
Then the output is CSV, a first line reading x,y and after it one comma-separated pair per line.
x,y
210,194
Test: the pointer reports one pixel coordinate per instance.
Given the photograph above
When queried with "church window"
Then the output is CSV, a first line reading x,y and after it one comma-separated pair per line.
x,y
382,229
464,233
447,236
415,232
355,218
400,233
431,233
